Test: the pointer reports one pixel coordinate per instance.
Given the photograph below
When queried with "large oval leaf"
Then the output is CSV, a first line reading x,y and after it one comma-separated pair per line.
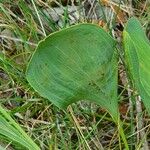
x,y
137,50
77,63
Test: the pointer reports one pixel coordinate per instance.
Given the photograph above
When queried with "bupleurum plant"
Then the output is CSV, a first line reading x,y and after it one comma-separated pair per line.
x,y
80,63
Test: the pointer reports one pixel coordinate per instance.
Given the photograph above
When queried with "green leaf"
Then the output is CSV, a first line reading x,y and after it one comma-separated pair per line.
x,y
77,63
13,132
137,51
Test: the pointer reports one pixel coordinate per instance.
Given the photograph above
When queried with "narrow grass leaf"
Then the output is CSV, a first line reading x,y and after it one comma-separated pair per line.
x,y
13,132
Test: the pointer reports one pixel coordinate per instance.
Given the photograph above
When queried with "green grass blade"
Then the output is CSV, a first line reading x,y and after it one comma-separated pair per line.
x,y
13,132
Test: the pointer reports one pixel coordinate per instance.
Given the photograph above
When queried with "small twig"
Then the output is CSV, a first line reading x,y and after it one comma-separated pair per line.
x,y
144,7
130,8
17,40
138,131
140,135
78,126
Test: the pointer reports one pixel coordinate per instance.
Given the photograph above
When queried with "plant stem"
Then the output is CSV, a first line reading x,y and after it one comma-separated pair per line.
x,y
121,133
131,102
